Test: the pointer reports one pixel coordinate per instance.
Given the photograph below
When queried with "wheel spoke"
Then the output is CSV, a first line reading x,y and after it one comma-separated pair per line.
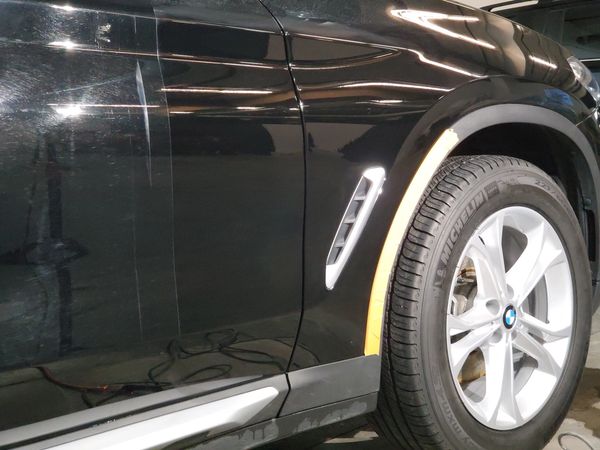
x,y
530,346
461,349
538,256
488,258
475,317
500,403
544,330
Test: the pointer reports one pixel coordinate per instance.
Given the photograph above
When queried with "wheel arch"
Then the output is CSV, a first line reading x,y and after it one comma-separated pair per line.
x,y
462,138
553,152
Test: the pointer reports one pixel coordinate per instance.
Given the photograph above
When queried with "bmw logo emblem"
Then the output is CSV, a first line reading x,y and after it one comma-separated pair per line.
x,y
510,317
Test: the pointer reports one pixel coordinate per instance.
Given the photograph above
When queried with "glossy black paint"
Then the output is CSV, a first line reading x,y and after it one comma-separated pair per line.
x,y
167,202
86,202
238,177
152,201
379,81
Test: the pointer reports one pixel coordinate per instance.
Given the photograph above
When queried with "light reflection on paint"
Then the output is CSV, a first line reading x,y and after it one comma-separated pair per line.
x,y
543,62
77,109
68,110
100,105
515,5
393,85
387,102
67,8
426,60
67,43
426,19
229,91
420,55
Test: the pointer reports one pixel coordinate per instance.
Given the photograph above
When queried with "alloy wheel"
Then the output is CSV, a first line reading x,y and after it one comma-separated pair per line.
x,y
510,317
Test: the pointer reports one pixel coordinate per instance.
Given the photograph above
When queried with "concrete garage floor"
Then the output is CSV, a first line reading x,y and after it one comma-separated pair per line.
x,y
583,418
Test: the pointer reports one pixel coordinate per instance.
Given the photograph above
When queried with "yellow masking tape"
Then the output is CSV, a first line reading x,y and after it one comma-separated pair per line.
x,y
436,155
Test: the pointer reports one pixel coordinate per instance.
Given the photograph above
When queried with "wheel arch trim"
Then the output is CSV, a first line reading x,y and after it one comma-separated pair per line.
x,y
447,141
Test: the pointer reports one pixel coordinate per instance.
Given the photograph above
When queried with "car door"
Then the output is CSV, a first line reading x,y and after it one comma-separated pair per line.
x,y
238,174
86,272
151,232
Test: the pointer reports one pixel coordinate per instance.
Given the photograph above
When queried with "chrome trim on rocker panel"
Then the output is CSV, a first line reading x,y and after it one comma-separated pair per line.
x,y
100,414
201,417
228,413
353,223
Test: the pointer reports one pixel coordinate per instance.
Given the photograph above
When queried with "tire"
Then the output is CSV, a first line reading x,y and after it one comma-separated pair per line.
x,y
422,404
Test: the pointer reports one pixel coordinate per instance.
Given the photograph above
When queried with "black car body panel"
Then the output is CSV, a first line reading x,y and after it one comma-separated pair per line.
x,y
238,176
173,174
131,249
86,199
378,84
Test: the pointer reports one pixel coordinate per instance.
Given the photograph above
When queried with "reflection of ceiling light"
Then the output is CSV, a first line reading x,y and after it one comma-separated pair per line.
x,y
543,62
426,60
68,44
99,105
219,91
515,5
68,110
425,19
64,7
395,85
421,56
387,102
76,109
414,14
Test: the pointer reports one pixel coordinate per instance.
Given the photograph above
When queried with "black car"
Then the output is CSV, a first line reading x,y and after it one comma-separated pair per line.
x,y
225,222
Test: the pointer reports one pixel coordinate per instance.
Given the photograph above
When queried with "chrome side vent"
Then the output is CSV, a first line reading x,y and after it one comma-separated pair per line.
x,y
353,222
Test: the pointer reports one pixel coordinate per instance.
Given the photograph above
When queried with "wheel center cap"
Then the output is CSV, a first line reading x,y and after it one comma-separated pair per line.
x,y
510,317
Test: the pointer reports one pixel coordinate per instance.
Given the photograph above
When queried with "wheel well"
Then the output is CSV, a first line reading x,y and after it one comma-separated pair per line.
x,y
555,154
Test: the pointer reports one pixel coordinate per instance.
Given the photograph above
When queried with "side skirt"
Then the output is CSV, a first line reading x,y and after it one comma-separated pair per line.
x,y
286,426
244,416
331,383
201,417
